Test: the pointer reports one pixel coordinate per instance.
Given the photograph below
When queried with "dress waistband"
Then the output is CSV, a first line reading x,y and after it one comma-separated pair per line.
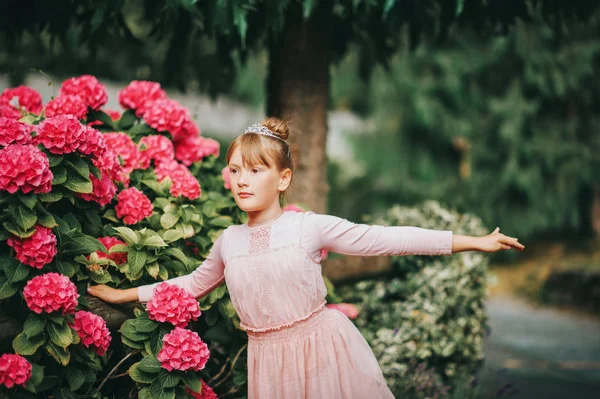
x,y
297,329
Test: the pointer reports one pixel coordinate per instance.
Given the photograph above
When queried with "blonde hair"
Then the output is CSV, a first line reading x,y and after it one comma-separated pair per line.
x,y
258,149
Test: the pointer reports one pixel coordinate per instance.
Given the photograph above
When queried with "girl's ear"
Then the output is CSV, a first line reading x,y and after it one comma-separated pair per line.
x,y
285,178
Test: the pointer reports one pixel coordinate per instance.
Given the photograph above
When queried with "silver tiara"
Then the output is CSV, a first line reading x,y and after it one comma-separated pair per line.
x,y
257,128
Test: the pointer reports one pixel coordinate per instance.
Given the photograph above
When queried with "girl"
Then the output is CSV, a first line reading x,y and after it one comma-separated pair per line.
x,y
297,347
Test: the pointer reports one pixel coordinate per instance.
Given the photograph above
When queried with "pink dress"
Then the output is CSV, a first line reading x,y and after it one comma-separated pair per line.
x,y
298,348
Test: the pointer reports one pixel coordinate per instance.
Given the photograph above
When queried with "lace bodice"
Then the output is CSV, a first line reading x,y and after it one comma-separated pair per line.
x,y
273,272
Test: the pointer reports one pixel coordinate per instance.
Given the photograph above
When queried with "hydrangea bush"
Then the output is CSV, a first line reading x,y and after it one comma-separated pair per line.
x,y
430,313
90,195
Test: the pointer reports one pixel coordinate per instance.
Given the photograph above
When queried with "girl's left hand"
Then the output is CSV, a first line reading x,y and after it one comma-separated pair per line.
x,y
496,241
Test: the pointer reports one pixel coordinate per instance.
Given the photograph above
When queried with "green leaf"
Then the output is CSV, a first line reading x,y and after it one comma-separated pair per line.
x,y
154,241
153,269
177,254
150,364
101,116
169,220
55,160
129,331
17,273
130,236
82,244
192,381
101,278
136,260
75,377
6,289
65,268
158,188
127,120
172,235
221,221
27,346
158,392
111,215
145,325
61,355
45,218
37,376
29,200
119,248
60,335
163,273
24,217
59,176
51,197
79,166
168,380
140,376
16,230
144,393
131,343
78,184
95,171
34,325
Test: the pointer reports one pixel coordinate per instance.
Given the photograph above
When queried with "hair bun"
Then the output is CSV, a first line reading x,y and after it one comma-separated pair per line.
x,y
277,126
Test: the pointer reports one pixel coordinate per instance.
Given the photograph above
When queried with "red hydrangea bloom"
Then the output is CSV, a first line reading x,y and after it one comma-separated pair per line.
x,y
92,330
346,308
24,167
225,176
103,190
12,131
37,250
183,350
133,206
172,304
26,97
183,181
139,95
122,145
109,164
62,134
168,115
51,292
8,111
188,129
118,257
92,92
193,149
205,393
67,105
158,148
14,370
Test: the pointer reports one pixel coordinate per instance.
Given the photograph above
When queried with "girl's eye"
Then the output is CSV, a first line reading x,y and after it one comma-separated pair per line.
x,y
234,171
255,170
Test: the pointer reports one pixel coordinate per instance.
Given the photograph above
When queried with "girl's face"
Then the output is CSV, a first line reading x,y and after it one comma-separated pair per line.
x,y
256,187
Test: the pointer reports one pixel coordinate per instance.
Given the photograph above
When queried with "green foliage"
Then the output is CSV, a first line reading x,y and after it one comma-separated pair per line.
x,y
430,312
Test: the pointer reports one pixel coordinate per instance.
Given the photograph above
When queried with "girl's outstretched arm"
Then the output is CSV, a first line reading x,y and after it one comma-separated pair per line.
x,y
493,242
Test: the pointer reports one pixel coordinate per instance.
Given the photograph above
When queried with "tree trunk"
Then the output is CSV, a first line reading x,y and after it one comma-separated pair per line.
x,y
298,92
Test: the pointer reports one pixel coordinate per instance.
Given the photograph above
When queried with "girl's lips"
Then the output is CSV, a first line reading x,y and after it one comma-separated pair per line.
x,y
244,195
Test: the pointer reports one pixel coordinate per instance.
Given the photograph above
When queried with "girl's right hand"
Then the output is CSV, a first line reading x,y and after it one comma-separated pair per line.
x,y
112,295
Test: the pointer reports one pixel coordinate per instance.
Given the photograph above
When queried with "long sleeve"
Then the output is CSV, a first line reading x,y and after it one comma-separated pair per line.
x,y
208,276
342,236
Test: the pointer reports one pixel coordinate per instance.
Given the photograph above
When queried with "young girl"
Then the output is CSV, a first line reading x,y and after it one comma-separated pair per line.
x,y
297,347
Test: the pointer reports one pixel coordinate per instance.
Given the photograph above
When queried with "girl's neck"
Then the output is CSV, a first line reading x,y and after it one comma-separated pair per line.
x,y
266,216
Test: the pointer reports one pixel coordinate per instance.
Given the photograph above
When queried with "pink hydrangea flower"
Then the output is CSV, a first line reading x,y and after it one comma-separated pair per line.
x,y
157,148
103,190
51,292
346,308
118,257
170,116
10,112
225,176
67,105
193,149
93,142
92,92
14,132
37,250
122,145
92,330
133,206
183,181
172,304
183,350
24,167
23,97
139,95
205,393
14,370
62,134
109,164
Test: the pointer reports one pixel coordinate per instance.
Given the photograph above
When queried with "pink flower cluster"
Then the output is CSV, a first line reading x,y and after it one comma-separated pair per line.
x,y
10,112
183,181
183,350
103,190
172,304
14,132
92,93
14,370
205,393
118,257
51,292
168,115
346,308
157,148
67,105
109,164
92,330
193,149
23,97
26,168
64,134
140,95
37,250
133,206
122,145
